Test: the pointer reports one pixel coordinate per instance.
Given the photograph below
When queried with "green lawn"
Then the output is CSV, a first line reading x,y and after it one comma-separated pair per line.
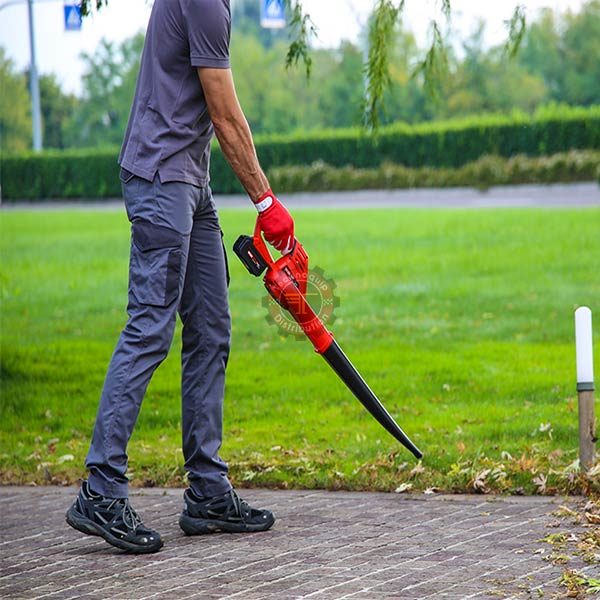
x,y
460,320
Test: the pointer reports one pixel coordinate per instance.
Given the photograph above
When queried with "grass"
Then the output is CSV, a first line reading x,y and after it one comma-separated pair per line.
x,y
461,321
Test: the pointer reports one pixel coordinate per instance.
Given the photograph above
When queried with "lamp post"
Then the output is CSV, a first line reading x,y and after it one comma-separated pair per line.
x,y
34,85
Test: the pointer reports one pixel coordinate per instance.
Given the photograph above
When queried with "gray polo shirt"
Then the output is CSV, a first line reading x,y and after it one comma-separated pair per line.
x,y
169,129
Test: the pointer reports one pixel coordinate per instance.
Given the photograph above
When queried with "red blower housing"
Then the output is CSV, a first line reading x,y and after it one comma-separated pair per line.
x,y
286,281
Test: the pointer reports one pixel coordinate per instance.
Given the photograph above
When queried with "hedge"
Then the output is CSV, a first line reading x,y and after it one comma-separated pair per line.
x,y
92,173
569,167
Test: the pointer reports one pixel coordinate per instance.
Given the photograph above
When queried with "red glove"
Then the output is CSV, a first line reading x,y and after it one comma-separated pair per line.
x,y
275,222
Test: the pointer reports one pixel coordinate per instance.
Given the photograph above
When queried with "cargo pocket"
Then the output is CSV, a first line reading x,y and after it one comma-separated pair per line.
x,y
155,264
226,260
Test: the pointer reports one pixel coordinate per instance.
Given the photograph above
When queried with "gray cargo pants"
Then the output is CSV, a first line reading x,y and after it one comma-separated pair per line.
x,y
177,263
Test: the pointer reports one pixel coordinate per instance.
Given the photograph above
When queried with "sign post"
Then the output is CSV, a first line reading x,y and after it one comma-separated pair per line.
x,y
272,14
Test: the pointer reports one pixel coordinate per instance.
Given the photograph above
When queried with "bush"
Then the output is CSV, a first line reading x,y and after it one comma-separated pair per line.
x,y
451,144
91,173
485,172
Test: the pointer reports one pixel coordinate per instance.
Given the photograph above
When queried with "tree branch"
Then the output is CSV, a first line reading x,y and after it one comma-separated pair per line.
x,y
381,33
516,26
435,64
381,41
86,6
303,29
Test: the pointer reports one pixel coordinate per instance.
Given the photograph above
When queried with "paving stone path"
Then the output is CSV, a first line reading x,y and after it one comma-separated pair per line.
x,y
324,545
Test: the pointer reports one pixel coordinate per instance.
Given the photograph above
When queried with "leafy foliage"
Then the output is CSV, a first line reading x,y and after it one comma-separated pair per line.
x,y
15,118
487,171
86,5
516,26
58,112
434,66
109,81
303,29
377,68
449,144
556,63
386,14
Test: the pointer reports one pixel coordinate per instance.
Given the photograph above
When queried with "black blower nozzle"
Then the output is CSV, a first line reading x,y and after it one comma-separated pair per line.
x,y
346,371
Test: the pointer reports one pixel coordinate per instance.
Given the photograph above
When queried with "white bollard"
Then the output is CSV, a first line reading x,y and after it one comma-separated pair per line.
x,y
585,387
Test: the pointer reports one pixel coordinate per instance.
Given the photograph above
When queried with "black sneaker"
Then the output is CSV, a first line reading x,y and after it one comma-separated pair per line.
x,y
112,519
227,512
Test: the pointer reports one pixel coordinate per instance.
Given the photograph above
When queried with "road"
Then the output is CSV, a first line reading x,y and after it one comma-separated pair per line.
x,y
520,196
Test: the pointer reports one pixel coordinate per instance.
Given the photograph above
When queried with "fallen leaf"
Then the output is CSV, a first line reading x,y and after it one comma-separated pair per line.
x,y
403,487
52,445
479,481
540,482
592,518
417,470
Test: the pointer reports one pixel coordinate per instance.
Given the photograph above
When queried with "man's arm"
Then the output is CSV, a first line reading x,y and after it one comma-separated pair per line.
x,y
232,130
235,138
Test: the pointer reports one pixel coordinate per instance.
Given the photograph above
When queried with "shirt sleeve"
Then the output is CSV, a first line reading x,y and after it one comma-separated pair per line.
x,y
209,29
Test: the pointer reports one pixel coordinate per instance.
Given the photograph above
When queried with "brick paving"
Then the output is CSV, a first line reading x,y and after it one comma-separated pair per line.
x,y
324,545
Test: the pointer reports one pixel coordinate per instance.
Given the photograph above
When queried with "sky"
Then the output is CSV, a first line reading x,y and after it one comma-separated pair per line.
x,y
58,51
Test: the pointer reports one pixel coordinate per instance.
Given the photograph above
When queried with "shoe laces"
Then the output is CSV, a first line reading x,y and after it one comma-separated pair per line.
x,y
239,504
129,516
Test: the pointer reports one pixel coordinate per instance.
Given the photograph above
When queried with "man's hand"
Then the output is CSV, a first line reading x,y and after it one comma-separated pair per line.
x,y
275,222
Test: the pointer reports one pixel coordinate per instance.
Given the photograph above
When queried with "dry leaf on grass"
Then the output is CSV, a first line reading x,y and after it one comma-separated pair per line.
x,y
540,482
403,487
479,483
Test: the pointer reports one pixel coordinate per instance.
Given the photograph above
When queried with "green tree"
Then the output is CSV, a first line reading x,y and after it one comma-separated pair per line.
x,y
485,82
541,53
386,15
340,89
405,99
58,109
564,49
581,43
15,118
259,78
108,88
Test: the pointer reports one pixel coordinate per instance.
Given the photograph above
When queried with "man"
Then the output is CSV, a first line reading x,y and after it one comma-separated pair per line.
x,y
184,93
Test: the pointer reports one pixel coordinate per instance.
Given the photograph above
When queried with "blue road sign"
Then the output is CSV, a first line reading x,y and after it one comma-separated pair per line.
x,y
72,17
272,14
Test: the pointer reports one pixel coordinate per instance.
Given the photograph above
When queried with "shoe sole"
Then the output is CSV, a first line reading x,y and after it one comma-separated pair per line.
x,y
80,522
196,526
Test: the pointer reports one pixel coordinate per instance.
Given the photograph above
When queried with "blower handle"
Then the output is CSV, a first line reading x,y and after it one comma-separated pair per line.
x,y
254,252
261,245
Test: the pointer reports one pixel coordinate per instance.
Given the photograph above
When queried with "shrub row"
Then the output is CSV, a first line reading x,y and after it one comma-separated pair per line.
x,y
92,173
582,165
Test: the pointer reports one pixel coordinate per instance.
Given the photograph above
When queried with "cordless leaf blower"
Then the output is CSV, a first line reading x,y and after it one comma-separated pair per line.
x,y
286,281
